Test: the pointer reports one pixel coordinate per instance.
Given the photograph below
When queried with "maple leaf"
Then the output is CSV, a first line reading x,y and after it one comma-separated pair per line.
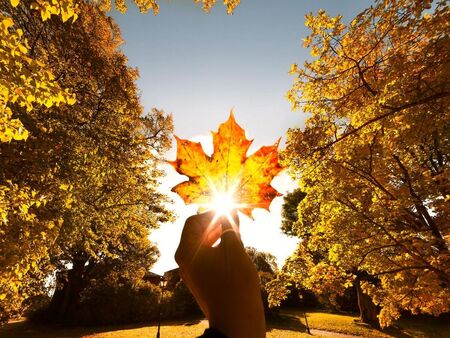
x,y
228,171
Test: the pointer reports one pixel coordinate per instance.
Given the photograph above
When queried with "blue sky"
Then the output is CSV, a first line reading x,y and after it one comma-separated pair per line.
x,y
198,66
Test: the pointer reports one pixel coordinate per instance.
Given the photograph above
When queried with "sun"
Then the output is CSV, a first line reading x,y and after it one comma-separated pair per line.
x,y
223,204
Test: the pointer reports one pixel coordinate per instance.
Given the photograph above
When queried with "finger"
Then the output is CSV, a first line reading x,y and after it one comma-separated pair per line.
x,y
197,226
230,220
230,226
198,230
213,234
235,218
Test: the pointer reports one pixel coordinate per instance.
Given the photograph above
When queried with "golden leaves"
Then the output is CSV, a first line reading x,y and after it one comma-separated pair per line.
x,y
377,95
25,82
294,69
208,4
69,8
66,9
228,170
152,5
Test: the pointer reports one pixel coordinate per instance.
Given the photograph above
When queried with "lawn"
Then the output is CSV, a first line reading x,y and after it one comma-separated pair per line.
x,y
291,324
182,329
420,327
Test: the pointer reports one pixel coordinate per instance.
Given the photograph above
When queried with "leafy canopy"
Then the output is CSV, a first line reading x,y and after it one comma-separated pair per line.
x,y
29,82
69,9
83,187
374,156
66,91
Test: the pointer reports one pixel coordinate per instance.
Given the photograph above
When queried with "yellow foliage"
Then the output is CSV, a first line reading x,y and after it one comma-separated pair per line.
x,y
19,87
31,95
146,5
373,156
24,82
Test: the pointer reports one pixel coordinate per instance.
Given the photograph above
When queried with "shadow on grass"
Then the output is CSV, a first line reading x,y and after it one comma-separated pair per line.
x,y
191,322
25,329
417,326
394,331
286,322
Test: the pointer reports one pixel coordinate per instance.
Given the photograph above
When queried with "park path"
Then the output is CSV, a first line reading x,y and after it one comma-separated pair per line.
x,y
332,334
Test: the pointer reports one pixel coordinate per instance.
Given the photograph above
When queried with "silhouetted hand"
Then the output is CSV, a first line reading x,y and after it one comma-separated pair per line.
x,y
223,279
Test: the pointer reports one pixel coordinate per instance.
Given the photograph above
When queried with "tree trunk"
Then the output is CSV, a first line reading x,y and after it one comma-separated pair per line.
x,y
367,309
67,294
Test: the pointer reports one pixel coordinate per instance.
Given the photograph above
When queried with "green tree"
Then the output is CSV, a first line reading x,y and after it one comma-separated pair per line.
x,y
267,268
311,261
374,155
289,211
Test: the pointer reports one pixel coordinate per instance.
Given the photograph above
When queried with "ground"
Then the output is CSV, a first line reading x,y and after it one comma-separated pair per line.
x,y
291,324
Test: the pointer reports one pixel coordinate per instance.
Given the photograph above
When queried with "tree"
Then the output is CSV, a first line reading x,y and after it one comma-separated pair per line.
x,y
89,169
374,155
25,84
267,268
289,212
28,82
312,266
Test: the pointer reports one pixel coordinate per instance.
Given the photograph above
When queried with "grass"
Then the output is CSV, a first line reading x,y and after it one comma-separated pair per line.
x,y
171,329
338,323
420,327
425,327
290,325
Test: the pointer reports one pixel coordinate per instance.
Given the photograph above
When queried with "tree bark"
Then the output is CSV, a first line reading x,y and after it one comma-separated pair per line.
x,y
367,309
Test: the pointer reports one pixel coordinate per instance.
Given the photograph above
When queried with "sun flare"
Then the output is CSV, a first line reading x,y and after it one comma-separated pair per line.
x,y
223,204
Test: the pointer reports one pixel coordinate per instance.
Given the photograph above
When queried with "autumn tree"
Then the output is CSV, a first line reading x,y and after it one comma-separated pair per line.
x,y
374,154
25,84
267,267
89,167
28,82
309,267
289,211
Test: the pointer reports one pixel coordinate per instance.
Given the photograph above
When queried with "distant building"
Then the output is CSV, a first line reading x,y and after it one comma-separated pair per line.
x,y
153,278
172,277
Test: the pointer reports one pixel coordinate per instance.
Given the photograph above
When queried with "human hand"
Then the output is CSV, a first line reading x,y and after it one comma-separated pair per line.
x,y
223,279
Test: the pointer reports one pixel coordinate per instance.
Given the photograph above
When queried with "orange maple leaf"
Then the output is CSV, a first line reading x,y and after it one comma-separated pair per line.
x,y
228,171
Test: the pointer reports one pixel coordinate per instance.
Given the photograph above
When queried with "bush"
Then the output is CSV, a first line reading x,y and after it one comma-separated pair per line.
x,y
125,303
182,303
104,303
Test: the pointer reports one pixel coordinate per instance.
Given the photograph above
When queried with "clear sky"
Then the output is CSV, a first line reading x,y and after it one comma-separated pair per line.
x,y
198,66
